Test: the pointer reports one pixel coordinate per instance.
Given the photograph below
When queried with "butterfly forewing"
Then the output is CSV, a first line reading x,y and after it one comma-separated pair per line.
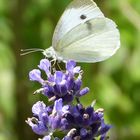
x,y
78,12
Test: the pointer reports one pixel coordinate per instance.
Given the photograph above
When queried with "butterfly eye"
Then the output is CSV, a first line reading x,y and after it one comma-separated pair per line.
x,y
83,17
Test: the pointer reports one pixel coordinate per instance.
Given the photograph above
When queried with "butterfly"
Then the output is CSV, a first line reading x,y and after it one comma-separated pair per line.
x,y
83,34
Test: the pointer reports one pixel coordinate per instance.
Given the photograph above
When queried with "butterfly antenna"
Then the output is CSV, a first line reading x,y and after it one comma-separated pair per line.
x,y
28,51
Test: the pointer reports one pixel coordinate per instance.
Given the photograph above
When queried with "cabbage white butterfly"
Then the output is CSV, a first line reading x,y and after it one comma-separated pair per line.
x,y
83,34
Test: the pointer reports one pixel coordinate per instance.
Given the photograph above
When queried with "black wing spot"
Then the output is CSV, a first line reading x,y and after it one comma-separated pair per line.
x,y
83,17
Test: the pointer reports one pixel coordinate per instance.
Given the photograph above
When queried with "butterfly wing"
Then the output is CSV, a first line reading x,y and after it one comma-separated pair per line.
x,y
77,12
95,40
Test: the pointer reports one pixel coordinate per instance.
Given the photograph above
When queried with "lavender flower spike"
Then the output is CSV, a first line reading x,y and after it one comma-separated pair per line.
x,y
74,120
58,84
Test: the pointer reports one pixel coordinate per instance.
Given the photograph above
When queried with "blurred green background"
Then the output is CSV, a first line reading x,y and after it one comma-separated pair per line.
x,y
114,83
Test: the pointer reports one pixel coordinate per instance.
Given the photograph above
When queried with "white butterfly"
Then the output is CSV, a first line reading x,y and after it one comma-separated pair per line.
x,y
83,34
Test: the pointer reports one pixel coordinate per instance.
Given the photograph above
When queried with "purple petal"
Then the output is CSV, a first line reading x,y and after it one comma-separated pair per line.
x,y
68,98
65,109
57,106
70,83
38,127
104,128
83,132
64,124
89,110
45,65
77,69
77,84
44,118
70,65
61,88
49,109
58,76
38,108
67,138
47,138
55,122
35,75
84,91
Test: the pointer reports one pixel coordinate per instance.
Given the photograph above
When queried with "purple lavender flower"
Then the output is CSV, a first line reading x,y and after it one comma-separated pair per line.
x,y
40,120
45,122
77,122
65,85
87,123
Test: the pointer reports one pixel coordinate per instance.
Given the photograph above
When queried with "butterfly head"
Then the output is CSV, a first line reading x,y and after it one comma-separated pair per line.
x,y
49,53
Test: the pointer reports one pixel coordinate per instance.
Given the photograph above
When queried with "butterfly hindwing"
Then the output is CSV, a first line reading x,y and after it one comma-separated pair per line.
x,y
93,41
